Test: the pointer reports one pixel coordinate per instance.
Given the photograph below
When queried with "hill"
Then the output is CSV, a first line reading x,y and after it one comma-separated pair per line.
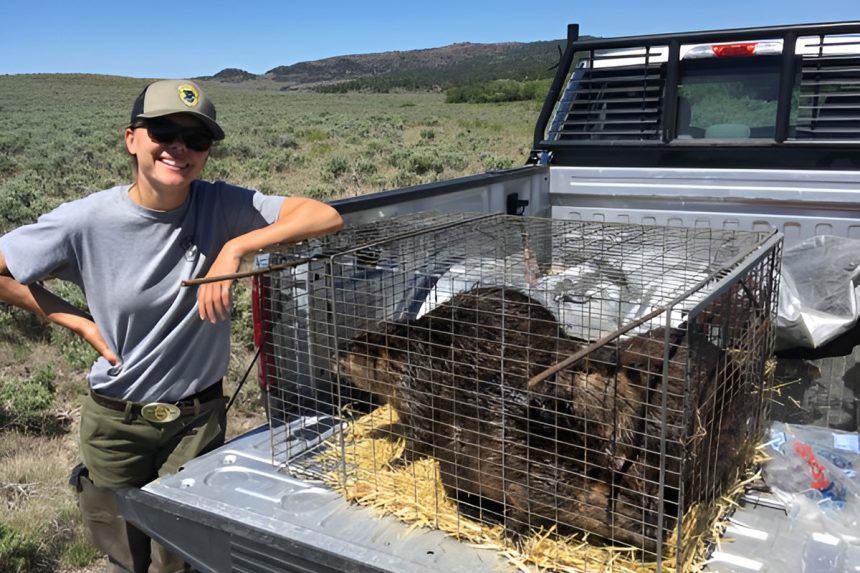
x,y
426,69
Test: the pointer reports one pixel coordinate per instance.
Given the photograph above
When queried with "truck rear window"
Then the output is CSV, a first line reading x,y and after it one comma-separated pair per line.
x,y
729,99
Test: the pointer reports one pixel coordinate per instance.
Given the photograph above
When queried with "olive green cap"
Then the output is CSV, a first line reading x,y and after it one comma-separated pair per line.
x,y
166,97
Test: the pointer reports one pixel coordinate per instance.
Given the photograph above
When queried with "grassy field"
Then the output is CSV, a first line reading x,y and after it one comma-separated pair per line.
x,y
61,138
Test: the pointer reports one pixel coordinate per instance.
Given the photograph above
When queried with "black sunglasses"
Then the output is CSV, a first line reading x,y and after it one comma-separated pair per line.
x,y
166,132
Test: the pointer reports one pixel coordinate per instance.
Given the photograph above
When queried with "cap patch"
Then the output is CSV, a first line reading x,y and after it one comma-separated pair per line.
x,y
188,94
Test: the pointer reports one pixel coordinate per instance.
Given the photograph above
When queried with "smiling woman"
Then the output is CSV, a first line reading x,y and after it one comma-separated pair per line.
x,y
169,155
163,348
169,144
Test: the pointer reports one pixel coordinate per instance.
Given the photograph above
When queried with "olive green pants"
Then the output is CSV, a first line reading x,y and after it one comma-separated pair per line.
x,y
121,450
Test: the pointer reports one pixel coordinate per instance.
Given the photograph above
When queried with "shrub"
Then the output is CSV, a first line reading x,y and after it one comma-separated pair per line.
x,y
493,163
22,200
364,167
426,162
284,141
320,148
405,179
8,165
19,553
319,192
314,135
20,327
26,403
498,91
69,292
376,150
233,149
334,167
30,544
76,352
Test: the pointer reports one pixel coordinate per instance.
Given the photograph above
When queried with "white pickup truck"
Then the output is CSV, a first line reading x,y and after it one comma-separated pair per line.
x,y
750,129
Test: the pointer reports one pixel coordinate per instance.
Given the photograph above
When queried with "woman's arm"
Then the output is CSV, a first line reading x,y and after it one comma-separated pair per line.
x,y
48,306
299,218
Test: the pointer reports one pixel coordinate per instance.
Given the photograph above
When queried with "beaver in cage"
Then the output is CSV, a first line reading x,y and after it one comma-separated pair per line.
x,y
607,395
573,452
670,413
685,436
451,362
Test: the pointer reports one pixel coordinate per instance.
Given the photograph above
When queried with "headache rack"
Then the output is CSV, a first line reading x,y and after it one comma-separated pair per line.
x,y
680,99
510,379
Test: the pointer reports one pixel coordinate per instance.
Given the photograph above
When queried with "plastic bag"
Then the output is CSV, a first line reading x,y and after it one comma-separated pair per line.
x,y
814,479
818,296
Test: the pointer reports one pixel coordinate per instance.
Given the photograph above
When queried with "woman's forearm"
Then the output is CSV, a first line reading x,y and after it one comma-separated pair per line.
x,y
300,218
48,306
43,303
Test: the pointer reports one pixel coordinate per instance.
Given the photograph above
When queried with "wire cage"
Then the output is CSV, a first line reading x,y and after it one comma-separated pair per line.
x,y
581,380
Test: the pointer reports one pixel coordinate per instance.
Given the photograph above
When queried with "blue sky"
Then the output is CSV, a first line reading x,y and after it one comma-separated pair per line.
x,y
201,37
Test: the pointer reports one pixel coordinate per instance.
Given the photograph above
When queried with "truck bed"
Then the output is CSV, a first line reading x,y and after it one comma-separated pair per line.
x,y
231,510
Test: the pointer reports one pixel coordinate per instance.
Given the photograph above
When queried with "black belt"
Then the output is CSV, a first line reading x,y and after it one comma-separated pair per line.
x,y
186,405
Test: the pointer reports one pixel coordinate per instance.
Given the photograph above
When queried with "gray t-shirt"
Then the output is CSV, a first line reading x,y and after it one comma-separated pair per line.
x,y
129,262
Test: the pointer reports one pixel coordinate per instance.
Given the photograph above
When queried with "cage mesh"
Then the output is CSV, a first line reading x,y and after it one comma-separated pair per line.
x,y
585,380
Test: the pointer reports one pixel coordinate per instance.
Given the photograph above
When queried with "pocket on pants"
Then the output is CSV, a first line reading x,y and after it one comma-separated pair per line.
x,y
203,434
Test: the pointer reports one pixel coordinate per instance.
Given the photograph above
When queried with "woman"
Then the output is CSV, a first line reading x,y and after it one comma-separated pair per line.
x,y
155,399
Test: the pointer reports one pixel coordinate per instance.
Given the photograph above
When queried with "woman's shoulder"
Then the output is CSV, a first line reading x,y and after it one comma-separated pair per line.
x,y
221,194
235,203
220,187
85,208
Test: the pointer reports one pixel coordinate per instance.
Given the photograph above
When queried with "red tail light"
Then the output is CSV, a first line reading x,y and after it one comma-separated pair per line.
x,y
259,292
734,50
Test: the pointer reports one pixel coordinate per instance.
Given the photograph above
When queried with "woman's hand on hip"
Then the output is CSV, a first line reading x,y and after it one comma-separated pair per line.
x,y
88,330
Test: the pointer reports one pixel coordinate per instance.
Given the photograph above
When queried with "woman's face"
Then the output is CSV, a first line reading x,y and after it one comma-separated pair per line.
x,y
167,165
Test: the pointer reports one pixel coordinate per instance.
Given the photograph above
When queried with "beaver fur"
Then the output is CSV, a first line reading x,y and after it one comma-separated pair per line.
x,y
579,452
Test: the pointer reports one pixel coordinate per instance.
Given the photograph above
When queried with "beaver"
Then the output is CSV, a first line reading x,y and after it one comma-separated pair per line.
x,y
622,501
575,452
472,354
675,416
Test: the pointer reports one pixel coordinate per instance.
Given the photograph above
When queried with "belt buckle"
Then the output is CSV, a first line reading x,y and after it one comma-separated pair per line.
x,y
160,412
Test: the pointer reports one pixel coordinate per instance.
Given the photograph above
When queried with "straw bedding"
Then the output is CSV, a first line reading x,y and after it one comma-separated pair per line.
x,y
364,466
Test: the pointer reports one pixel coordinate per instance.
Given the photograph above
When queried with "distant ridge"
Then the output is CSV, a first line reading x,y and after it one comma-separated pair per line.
x,y
431,68
233,75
